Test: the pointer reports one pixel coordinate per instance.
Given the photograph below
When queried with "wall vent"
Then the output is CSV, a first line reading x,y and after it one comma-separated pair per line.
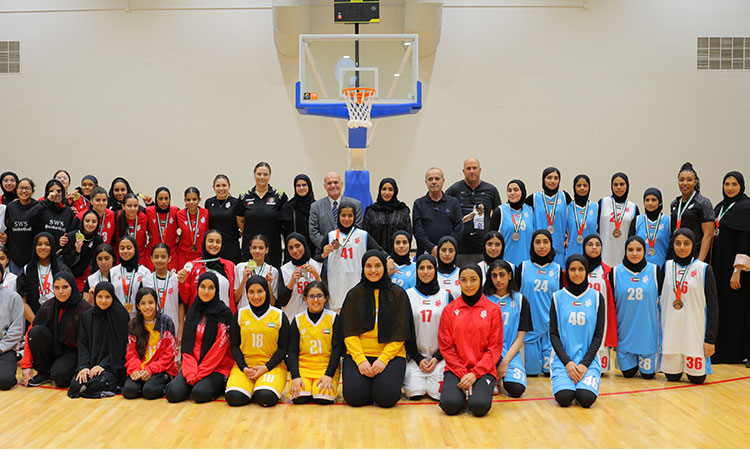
x,y
724,53
10,57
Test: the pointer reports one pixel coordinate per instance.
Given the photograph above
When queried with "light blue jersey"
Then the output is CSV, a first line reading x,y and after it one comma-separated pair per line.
x,y
537,285
552,209
405,276
511,306
523,221
658,232
636,303
580,217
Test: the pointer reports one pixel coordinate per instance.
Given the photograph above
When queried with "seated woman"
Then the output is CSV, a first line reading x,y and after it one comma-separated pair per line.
x,y
424,370
206,360
313,356
501,290
51,346
260,336
404,271
151,348
471,341
576,320
102,341
375,323
11,332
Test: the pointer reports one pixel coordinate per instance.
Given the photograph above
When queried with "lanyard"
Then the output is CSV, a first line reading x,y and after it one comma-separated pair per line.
x,y
262,269
43,280
678,287
550,217
193,230
338,234
516,226
162,296
649,237
580,225
101,225
681,210
162,229
127,287
135,227
722,213
618,219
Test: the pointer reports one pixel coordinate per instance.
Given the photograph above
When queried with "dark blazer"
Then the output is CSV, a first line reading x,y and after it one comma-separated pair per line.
x,y
322,220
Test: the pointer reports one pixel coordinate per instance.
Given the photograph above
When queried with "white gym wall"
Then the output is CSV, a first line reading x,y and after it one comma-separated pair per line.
x,y
175,96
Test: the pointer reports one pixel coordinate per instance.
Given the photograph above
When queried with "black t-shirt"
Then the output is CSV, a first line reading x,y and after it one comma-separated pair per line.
x,y
20,231
472,240
46,217
525,323
221,216
698,212
261,217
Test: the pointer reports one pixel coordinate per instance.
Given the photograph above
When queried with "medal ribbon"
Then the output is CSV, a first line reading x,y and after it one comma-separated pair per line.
x,y
678,288
135,227
43,280
618,221
723,213
516,226
162,297
681,210
550,218
193,230
580,226
162,229
127,287
338,235
652,239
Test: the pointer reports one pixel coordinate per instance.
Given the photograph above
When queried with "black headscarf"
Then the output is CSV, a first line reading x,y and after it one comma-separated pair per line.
x,y
216,265
446,268
156,204
576,289
623,198
593,263
398,259
349,205
391,205
32,277
87,177
299,204
738,218
581,200
114,204
9,196
215,312
131,264
394,309
258,279
653,215
519,204
690,235
57,206
547,191
64,329
433,287
493,234
472,300
109,330
89,236
303,241
640,265
542,260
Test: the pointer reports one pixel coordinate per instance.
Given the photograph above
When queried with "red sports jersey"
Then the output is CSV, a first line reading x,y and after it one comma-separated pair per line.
x,y
218,359
107,227
167,226
188,237
138,227
189,289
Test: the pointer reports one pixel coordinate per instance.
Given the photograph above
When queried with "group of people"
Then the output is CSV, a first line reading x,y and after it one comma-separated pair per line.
x,y
103,295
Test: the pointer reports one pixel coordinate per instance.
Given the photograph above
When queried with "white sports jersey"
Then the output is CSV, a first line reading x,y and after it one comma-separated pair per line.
x,y
9,280
297,303
450,283
483,265
263,270
613,249
168,292
95,278
684,330
127,283
599,284
426,311
345,264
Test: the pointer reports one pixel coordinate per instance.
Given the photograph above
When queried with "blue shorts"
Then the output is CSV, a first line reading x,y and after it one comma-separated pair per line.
x,y
646,363
561,380
516,371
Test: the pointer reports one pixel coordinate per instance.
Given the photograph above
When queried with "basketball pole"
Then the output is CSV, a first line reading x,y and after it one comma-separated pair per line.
x,y
357,176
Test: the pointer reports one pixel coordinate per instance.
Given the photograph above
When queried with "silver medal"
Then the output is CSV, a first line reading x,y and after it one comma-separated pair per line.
x,y
551,229
515,237
579,239
716,232
651,251
188,267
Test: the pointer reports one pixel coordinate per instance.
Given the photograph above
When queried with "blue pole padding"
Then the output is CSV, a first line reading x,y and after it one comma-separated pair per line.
x,y
358,137
357,185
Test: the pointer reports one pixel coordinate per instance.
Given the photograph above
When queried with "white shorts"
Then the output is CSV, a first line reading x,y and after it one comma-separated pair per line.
x,y
417,382
678,363
604,358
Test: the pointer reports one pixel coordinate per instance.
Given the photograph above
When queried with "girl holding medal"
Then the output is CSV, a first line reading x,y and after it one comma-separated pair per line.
x,y
209,261
689,312
80,198
107,219
404,272
550,206
447,270
129,275
78,253
653,227
616,213
296,274
104,259
132,221
162,224
582,215
494,248
35,281
167,288
259,248
693,211
193,224
515,220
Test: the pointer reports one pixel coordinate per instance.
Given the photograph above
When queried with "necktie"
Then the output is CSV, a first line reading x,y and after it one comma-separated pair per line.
x,y
335,210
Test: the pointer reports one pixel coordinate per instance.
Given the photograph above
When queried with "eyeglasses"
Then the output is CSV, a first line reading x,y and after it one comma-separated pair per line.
x,y
25,188
316,297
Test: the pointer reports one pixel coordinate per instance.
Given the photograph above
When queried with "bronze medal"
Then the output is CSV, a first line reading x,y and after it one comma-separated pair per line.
x,y
677,304
336,244
617,233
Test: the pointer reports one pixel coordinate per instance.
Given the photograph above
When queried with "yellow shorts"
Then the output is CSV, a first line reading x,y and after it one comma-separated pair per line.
x,y
310,388
274,381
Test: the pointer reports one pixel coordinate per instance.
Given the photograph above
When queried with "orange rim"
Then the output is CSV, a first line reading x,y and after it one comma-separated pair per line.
x,y
359,93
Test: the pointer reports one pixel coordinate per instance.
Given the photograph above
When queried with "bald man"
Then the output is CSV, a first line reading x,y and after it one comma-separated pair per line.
x,y
477,199
322,218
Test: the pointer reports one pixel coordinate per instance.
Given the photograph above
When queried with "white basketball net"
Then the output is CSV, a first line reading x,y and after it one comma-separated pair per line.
x,y
359,104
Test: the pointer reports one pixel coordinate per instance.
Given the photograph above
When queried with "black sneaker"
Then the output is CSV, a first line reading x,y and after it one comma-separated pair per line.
x,y
39,379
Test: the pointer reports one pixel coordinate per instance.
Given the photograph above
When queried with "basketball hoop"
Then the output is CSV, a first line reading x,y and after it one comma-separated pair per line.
x,y
359,104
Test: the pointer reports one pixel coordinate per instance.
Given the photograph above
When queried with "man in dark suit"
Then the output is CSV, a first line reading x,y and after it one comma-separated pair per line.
x,y
322,218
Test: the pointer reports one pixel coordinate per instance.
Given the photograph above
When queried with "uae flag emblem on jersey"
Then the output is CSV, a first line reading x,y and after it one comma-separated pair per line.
x,y
272,325
576,303
541,272
426,302
635,279
326,331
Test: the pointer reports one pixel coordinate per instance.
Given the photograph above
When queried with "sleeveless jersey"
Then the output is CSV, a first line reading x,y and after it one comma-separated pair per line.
x,y
315,343
598,282
96,277
576,321
589,225
345,264
661,229
637,303
426,312
557,203
259,335
169,302
127,283
510,305
450,283
405,276
517,252
537,285
297,303
684,330
263,270
613,249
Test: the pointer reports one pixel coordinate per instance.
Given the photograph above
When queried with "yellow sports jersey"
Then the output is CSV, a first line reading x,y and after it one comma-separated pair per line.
x,y
153,342
315,342
259,335
367,344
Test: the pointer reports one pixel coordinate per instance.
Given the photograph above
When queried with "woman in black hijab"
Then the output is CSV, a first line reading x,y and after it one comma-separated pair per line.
x,y
616,213
52,214
117,191
51,346
446,265
375,322
653,227
296,212
35,281
550,206
102,342
387,215
78,253
8,183
582,215
515,220
730,259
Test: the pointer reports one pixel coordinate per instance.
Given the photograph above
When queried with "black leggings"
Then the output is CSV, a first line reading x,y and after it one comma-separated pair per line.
x,y
264,397
154,387
8,365
692,378
384,389
61,368
205,390
513,389
100,386
452,397
584,397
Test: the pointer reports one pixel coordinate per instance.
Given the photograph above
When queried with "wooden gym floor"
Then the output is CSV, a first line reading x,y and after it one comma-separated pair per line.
x,y
629,413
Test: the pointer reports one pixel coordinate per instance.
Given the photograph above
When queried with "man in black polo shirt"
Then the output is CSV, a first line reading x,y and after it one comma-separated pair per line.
x,y
435,215
477,199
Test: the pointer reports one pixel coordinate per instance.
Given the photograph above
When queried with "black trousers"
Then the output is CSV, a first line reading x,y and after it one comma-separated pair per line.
x,y
61,368
100,386
452,397
207,389
8,366
384,389
154,387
